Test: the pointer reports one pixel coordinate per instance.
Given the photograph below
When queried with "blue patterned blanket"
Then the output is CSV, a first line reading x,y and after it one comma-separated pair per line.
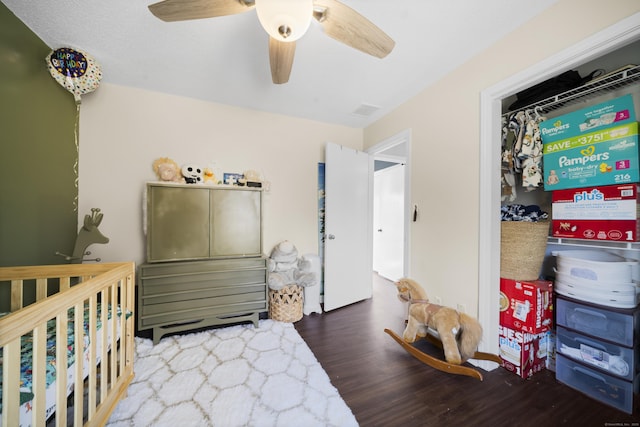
x,y
26,352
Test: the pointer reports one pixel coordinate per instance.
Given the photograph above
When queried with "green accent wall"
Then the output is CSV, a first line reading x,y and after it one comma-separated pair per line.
x,y
37,153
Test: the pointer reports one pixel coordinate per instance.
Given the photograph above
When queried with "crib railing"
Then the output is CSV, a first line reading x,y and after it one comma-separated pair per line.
x,y
87,293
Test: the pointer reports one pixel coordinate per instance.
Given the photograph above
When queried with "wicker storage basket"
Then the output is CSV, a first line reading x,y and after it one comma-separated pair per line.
x,y
285,305
522,248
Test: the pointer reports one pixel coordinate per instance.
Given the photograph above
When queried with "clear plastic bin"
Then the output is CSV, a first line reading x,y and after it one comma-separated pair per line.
x,y
597,385
614,359
613,325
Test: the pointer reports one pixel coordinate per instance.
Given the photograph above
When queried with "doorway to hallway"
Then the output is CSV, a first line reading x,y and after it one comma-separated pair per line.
x,y
391,207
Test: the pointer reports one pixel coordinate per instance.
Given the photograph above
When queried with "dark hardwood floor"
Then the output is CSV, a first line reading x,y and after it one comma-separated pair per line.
x,y
385,386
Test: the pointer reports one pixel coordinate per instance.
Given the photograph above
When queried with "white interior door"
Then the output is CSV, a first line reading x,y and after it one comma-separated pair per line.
x,y
348,222
388,222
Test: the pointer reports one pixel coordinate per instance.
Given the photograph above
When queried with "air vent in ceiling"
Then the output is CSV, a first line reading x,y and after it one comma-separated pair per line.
x,y
365,110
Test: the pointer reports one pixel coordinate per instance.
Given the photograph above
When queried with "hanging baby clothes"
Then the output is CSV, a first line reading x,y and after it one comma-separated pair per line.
x,y
508,176
512,134
523,128
531,153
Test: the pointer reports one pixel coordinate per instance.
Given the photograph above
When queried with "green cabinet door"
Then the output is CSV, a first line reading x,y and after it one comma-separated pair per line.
x,y
178,222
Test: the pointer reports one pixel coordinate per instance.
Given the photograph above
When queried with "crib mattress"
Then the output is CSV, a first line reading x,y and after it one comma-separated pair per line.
x,y
26,356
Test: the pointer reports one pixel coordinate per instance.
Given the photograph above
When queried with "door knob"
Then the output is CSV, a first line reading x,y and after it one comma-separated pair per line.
x,y
379,230
330,236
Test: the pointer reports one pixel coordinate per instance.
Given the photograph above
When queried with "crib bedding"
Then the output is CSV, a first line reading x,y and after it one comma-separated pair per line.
x,y
26,354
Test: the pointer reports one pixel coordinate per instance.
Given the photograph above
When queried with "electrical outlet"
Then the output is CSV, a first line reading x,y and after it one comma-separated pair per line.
x,y
438,300
462,308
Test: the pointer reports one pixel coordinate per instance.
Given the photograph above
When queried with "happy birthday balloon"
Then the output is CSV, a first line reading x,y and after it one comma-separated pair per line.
x,y
75,70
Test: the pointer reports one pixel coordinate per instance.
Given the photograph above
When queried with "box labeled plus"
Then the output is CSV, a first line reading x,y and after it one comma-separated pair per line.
x,y
597,213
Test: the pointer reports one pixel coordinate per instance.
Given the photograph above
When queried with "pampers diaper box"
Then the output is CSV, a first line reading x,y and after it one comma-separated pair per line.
x,y
615,112
605,157
597,213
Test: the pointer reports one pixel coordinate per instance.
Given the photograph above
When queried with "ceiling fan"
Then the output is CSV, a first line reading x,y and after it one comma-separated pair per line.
x,y
286,21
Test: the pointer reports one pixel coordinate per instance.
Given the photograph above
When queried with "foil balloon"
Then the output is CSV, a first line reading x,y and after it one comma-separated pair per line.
x,y
74,70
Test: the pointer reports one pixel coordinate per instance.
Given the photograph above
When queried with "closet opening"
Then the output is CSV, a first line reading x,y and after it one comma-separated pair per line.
x,y
606,49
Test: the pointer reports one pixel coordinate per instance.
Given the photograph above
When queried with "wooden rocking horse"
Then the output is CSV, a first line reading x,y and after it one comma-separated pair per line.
x,y
458,334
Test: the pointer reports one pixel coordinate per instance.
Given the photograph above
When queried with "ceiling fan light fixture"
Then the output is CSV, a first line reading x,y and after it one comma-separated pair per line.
x,y
285,20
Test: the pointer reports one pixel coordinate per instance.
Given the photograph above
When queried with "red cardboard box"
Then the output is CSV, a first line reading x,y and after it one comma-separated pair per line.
x,y
526,305
523,353
609,212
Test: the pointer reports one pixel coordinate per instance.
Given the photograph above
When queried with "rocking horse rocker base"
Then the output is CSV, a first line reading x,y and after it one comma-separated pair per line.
x,y
458,334
442,365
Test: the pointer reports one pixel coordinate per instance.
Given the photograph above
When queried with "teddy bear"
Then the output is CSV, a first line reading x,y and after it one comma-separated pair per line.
x,y
285,268
167,170
459,333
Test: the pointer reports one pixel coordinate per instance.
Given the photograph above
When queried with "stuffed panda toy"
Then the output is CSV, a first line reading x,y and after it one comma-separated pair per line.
x,y
192,174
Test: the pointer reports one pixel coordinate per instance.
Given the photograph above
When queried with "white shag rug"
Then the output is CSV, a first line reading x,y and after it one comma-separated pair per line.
x,y
234,376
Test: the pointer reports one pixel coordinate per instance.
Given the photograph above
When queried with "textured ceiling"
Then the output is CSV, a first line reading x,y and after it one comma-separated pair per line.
x,y
225,59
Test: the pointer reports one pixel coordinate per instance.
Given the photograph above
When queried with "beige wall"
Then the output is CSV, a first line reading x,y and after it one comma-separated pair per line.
x,y
444,120
123,130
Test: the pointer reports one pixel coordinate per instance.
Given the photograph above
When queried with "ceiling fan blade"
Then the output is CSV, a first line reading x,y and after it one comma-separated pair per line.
x,y
281,59
182,10
347,26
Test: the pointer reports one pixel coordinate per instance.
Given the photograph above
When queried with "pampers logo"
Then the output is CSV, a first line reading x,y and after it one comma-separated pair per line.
x,y
595,196
557,127
623,145
588,156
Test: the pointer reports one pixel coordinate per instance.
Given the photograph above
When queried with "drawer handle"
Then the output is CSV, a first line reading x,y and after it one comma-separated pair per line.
x,y
589,373
591,343
592,313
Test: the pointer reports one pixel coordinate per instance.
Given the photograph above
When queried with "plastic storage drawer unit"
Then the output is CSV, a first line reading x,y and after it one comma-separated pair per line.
x,y
597,385
614,325
611,358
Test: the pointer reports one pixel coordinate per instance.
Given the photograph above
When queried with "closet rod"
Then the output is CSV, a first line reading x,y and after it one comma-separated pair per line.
x,y
615,80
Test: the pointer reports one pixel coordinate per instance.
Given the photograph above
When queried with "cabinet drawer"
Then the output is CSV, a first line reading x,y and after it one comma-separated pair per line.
x,y
193,310
181,268
612,358
200,281
201,294
608,324
597,385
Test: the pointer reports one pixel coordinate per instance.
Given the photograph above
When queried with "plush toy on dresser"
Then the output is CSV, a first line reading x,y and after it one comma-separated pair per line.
x,y
209,176
167,170
192,174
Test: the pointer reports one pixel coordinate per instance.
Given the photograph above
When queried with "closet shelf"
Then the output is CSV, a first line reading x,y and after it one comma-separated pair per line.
x,y
610,82
598,244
